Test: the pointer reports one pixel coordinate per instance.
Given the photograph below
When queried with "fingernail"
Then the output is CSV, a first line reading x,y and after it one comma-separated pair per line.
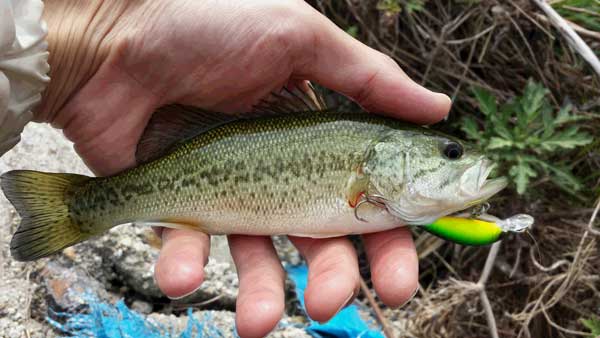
x,y
185,295
445,98
409,299
347,302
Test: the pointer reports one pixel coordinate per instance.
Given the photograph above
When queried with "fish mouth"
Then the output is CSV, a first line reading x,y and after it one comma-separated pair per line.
x,y
492,186
475,184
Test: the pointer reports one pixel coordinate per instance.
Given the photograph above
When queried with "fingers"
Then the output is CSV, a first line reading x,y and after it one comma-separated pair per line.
x,y
394,265
261,300
375,81
179,270
333,277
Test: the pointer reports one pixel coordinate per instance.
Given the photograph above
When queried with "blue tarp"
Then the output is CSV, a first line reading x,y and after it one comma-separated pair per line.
x,y
346,324
102,320
118,321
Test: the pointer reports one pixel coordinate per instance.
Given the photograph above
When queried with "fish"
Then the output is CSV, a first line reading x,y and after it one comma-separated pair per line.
x,y
292,166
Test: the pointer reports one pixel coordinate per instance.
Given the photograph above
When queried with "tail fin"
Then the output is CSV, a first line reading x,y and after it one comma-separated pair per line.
x,y
42,201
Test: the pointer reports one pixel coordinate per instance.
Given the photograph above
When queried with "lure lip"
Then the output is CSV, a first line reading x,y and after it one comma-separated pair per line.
x,y
517,223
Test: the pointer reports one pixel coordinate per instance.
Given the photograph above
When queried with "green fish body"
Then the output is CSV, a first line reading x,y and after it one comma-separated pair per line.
x,y
286,175
305,174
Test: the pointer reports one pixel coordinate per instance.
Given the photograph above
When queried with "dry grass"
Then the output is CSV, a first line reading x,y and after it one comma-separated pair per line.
x,y
533,290
539,285
496,45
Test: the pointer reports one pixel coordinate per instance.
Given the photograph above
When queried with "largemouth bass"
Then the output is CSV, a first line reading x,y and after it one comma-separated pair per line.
x,y
298,170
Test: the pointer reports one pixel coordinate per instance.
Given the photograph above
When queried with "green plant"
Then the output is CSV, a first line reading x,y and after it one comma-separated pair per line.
x,y
353,31
526,136
396,6
583,12
593,324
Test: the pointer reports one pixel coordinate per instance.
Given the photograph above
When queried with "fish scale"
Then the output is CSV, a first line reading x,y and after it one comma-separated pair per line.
x,y
286,169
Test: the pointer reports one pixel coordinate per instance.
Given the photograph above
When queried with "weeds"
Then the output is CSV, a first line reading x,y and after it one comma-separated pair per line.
x,y
593,324
396,6
583,12
539,290
525,136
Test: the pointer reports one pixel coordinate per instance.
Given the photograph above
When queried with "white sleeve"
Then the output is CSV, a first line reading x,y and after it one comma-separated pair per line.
x,y
23,66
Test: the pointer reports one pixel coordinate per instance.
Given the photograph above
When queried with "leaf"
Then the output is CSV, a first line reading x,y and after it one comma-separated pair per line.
x,y
564,116
353,31
522,120
391,6
499,143
560,175
572,10
470,128
593,324
524,134
499,125
415,6
508,110
487,102
533,98
567,139
548,121
503,131
521,173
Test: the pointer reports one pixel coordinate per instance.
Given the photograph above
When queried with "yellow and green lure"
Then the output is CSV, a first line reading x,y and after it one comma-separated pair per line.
x,y
472,231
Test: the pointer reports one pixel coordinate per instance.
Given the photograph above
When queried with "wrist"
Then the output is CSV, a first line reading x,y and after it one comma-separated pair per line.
x,y
81,35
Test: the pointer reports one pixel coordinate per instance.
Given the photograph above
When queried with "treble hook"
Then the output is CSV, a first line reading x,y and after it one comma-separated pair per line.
x,y
375,200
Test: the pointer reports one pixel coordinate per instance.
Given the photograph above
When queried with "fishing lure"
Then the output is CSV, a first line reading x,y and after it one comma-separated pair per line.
x,y
483,231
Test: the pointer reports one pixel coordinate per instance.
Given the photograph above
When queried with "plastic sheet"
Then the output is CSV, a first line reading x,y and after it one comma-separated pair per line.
x,y
118,321
346,324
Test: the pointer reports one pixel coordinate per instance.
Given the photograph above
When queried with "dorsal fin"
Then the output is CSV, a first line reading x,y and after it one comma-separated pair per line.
x,y
301,98
174,124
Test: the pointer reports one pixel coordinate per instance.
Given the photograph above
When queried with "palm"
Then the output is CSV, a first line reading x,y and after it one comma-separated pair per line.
x,y
227,61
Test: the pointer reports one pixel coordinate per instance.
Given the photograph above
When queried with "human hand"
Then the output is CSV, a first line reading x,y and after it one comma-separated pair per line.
x,y
118,61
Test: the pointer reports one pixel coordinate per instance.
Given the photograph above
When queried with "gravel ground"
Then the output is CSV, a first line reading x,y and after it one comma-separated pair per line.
x,y
41,148
117,265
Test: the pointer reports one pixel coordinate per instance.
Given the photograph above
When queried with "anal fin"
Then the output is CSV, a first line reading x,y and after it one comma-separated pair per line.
x,y
171,225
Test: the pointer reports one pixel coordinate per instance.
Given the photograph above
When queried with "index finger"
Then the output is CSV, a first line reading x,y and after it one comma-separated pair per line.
x,y
338,61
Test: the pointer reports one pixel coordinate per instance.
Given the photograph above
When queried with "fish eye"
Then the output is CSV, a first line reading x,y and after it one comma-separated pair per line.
x,y
453,150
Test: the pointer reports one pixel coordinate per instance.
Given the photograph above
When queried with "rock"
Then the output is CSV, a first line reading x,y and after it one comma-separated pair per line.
x,y
41,148
221,321
289,327
113,265
224,322
141,307
127,253
69,288
287,252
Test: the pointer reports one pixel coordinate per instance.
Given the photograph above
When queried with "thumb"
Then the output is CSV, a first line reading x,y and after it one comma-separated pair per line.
x,y
374,80
106,118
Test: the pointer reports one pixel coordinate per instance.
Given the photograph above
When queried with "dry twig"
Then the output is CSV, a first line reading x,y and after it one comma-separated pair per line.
x,y
489,264
378,313
572,37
